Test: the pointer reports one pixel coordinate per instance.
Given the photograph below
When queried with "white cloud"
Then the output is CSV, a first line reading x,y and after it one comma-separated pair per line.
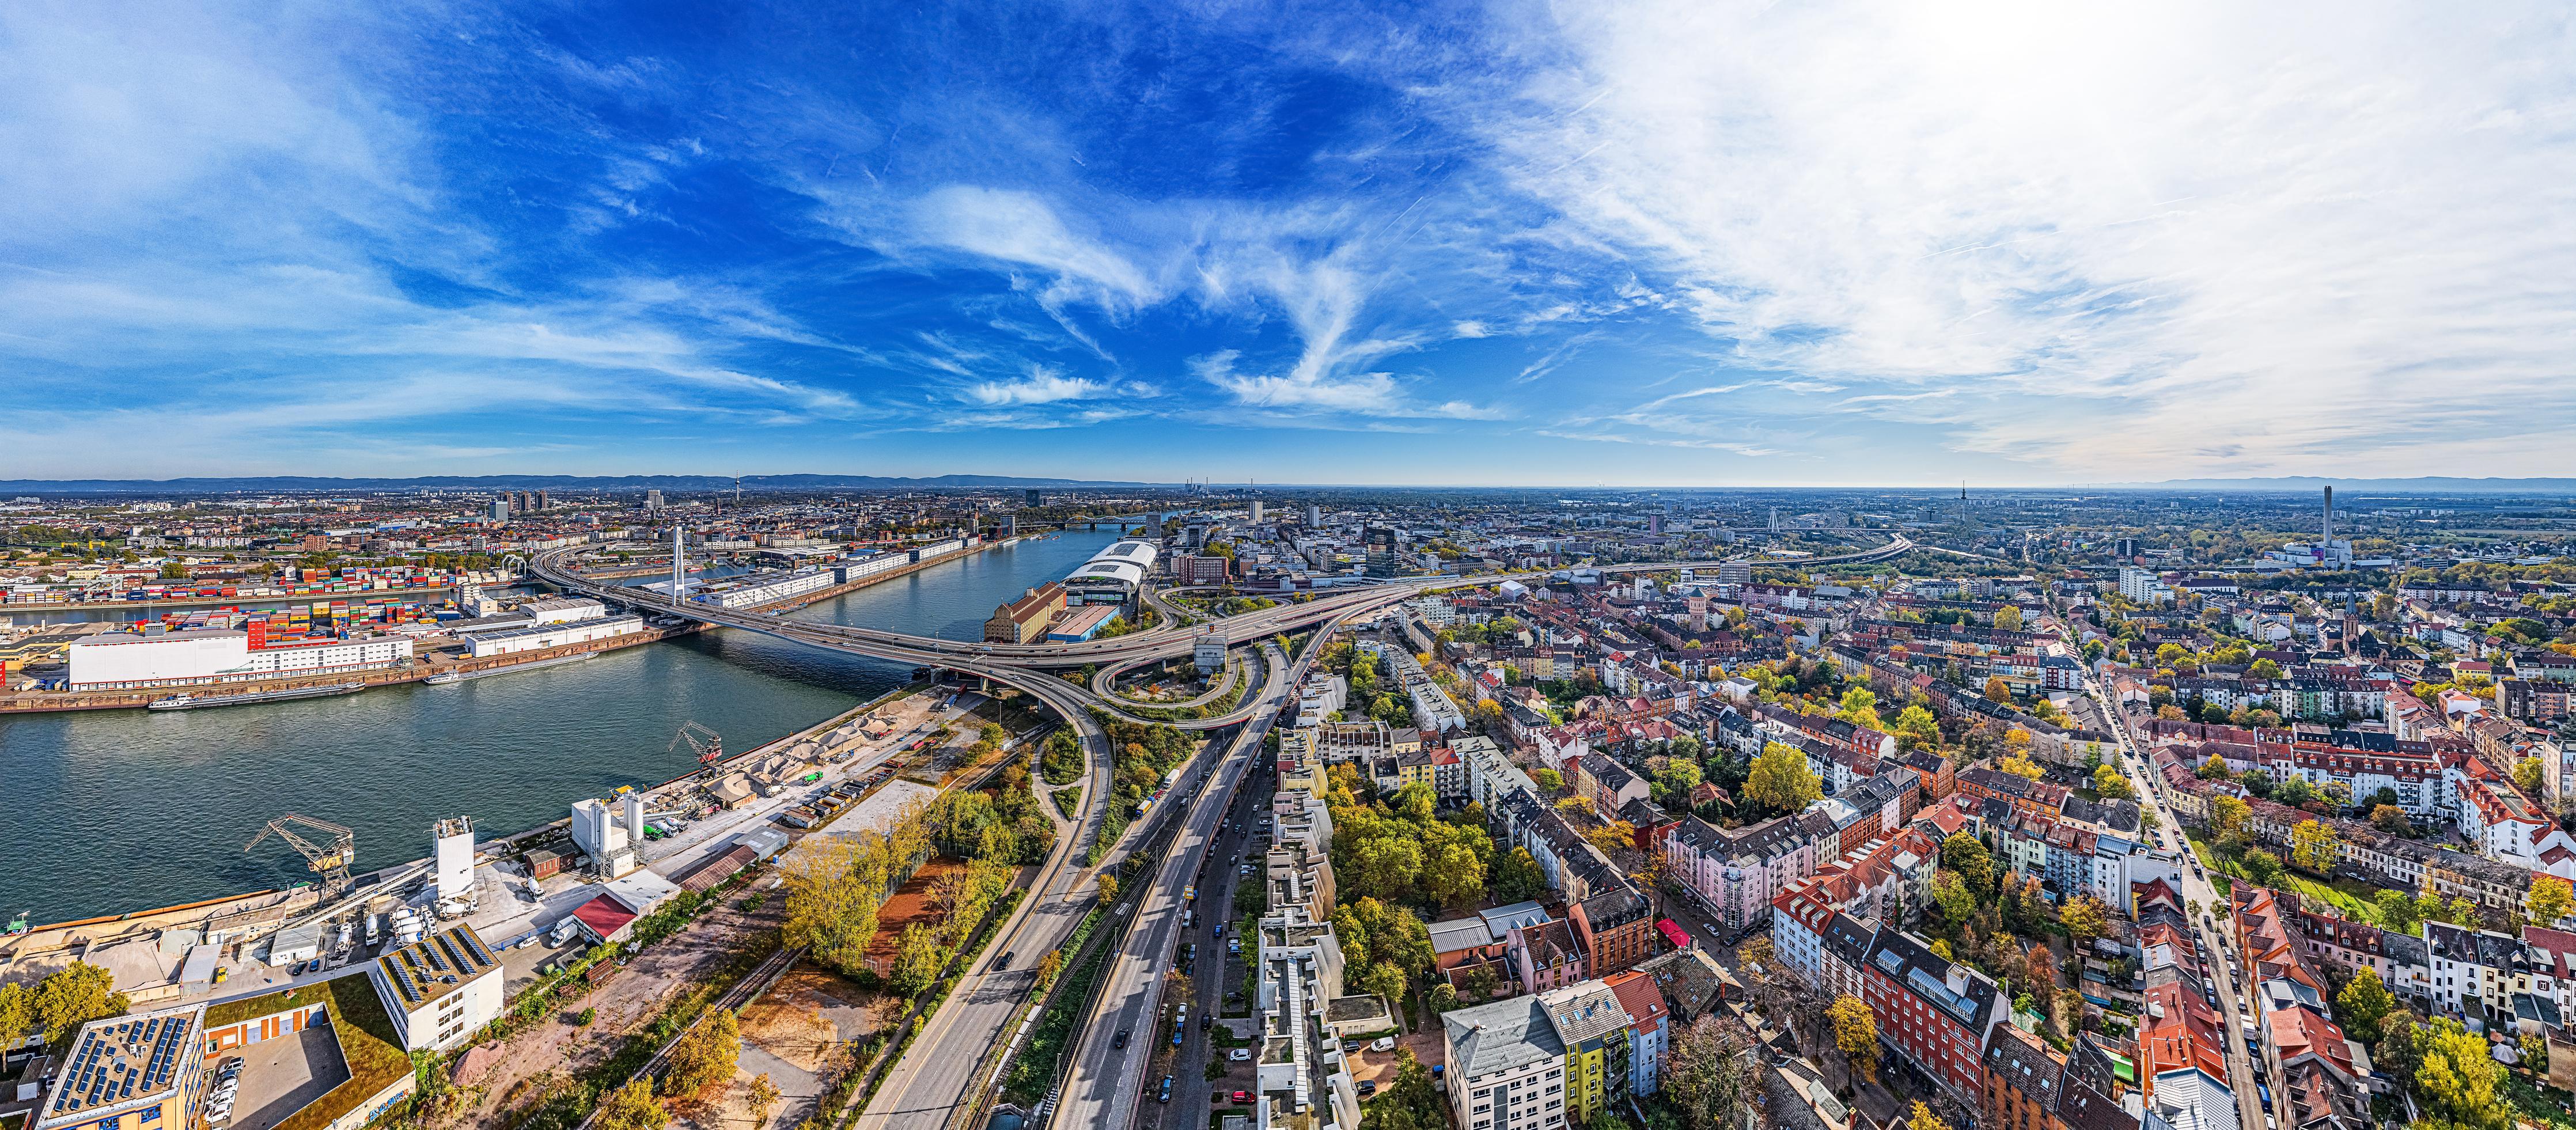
x,y
1042,385
1019,227
2131,239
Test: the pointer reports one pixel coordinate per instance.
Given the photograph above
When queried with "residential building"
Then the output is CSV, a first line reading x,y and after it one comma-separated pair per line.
x,y
1934,1013
1506,1067
1649,1028
1592,1025
2023,1079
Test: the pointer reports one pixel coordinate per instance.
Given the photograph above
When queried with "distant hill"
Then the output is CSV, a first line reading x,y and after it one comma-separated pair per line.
x,y
274,483
2431,484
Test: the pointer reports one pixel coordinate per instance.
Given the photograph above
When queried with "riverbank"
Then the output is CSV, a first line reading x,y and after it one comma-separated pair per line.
x,y
45,702
99,932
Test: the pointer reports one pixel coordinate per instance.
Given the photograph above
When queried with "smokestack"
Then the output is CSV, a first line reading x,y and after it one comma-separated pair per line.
x,y
2329,515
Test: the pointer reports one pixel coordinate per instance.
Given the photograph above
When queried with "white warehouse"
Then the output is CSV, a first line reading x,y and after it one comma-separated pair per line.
x,y
515,640
118,660
769,590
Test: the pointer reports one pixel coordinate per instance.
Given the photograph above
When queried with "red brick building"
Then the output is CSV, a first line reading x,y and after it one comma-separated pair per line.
x,y
1935,1014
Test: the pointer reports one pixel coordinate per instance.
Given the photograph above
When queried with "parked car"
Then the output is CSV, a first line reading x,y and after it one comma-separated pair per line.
x,y
1167,1090
1382,1044
1368,1087
1239,1055
1242,1096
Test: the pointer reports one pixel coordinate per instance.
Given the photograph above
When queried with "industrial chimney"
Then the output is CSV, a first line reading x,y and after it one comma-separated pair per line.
x,y
2329,539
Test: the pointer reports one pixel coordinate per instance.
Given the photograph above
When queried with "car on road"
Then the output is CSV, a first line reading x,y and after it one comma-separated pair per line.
x,y
1119,1040
1004,962
1167,1090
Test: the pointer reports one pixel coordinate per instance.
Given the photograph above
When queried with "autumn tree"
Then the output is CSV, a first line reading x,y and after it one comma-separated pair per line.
x,y
75,995
1860,708
1856,1033
17,1013
917,959
2391,819
632,1107
1997,690
704,1057
2214,769
1952,897
2111,785
1922,1118
2020,765
2008,619
2526,775
2315,846
1917,723
2455,1080
2549,901
2086,919
1108,888
1709,1075
1781,780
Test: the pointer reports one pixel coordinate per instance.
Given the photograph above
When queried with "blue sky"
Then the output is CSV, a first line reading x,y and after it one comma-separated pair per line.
x,y
1650,243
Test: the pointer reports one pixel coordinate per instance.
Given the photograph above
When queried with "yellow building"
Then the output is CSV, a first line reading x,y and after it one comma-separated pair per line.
x,y
145,1071
1593,1026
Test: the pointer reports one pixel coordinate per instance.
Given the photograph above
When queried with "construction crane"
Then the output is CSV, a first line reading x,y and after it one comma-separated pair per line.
x,y
331,863
709,751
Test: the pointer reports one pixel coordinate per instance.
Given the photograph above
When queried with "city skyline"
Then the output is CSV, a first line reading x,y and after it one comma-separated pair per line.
x,y
1472,246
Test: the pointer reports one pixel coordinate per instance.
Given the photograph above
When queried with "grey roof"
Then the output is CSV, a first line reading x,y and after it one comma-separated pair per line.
x,y
2023,1063
1459,934
1501,1036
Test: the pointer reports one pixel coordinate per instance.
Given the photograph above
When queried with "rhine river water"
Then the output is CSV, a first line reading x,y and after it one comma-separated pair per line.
x,y
111,811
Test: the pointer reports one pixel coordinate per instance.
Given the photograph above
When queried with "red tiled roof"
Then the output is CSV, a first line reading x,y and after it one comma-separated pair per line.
x,y
604,915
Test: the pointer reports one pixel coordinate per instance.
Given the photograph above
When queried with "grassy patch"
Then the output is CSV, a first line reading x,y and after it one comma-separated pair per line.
x,y
367,1041
1068,802
252,1008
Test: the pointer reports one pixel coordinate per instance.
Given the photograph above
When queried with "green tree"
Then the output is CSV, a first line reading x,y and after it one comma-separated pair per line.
x,y
75,995
705,1058
2263,867
2227,815
1859,707
1548,779
1957,905
2526,775
1918,723
917,959
1517,876
1679,778
1969,859
2363,1004
1455,877
2008,619
2396,911
1387,867
631,1107
2264,669
1411,1103
1781,780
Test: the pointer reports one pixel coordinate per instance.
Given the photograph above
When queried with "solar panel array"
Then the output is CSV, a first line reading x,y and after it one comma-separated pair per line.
x,y
426,968
113,1062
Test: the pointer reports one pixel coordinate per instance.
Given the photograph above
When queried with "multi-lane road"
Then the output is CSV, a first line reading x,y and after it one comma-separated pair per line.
x,y
2211,928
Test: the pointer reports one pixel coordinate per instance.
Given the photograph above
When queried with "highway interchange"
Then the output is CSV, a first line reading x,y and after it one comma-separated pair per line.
x,y
928,1087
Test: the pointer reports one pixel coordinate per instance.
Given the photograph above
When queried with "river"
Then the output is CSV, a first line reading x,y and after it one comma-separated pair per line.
x,y
111,811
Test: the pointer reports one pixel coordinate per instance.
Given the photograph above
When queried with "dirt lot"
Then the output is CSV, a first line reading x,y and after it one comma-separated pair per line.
x,y
794,1034
545,1055
910,904
1380,1066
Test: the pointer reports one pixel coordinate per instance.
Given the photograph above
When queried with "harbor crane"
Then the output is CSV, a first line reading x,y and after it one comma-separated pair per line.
x,y
709,751
331,863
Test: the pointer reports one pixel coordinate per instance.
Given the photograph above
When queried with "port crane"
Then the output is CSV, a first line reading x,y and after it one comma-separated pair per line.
x,y
331,863
709,750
